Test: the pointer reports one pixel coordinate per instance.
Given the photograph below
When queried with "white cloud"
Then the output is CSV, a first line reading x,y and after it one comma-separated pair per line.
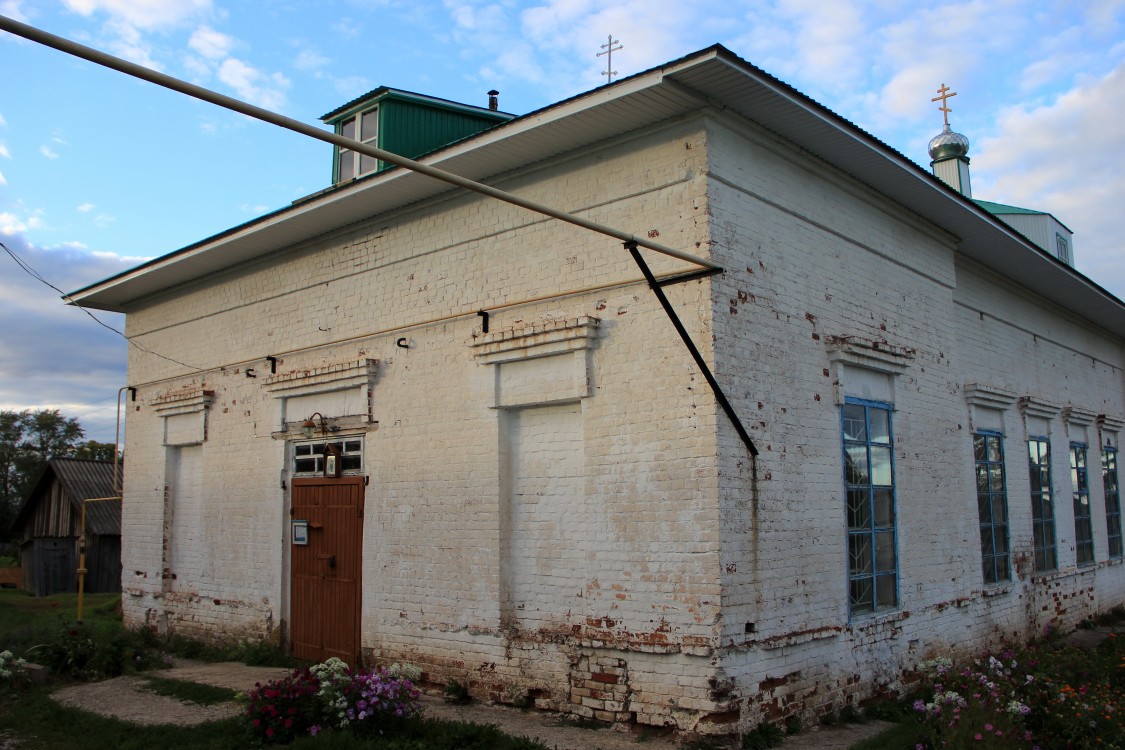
x,y
211,44
351,86
1056,158
4,150
143,14
826,39
12,9
3,179
3,122
103,221
347,27
128,42
308,59
127,22
70,359
46,151
86,208
264,89
11,224
554,44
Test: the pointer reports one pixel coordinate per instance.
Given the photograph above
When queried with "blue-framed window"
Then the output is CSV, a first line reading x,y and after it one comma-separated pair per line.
x,y
869,484
1112,500
1042,504
1083,526
992,505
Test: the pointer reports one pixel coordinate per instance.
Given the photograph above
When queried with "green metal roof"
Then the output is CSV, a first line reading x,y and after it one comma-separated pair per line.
x,y
1000,208
386,92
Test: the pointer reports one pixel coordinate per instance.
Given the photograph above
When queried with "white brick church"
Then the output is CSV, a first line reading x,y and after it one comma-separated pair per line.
x,y
399,421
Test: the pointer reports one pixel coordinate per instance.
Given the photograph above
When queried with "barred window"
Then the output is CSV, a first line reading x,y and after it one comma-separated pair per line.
x,y
870,489
992,506
1083,526
1112,501
1042,504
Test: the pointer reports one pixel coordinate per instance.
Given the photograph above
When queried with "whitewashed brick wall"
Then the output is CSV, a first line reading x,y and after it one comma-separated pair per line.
x,y
713,593
813,255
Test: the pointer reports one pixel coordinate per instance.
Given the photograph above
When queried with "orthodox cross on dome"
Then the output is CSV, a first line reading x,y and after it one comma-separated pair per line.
x,y
609,72
943,96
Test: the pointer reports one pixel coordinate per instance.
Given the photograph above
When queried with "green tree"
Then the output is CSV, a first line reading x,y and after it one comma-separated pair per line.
x,y
94,451
27,441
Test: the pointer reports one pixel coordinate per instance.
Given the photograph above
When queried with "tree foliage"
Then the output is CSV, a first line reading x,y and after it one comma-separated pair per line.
x,y
28,439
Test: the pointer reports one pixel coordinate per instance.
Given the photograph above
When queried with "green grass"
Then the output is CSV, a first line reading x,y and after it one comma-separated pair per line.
x,y
423,734
902,736
188,692
40,723
27,619
28,624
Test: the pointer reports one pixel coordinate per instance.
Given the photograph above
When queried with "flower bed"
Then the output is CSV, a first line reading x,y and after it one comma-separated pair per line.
x,y
1035,697
330,696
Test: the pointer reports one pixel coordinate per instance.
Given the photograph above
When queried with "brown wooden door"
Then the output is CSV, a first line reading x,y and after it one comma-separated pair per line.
x,y
324,606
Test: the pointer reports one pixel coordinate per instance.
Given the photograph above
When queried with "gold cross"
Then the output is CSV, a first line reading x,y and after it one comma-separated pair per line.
x,y
944,97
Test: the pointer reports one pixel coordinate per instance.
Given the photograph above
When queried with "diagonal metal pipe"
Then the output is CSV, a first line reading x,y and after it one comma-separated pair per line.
x,y
175,84
724,403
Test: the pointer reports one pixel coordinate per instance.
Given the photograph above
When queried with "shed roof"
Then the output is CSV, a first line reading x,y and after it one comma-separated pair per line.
x,y
81,479
713,77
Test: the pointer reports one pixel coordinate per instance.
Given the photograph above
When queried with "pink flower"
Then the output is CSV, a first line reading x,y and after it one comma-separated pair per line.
x,y
978,737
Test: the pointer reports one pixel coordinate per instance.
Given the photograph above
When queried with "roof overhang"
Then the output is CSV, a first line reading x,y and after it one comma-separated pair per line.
x,y
713,76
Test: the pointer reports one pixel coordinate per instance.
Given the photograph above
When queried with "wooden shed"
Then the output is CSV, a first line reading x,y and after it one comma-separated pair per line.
x,y
49,523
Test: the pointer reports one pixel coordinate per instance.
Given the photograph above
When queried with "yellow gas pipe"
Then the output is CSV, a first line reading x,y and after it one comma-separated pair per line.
x,y
82,552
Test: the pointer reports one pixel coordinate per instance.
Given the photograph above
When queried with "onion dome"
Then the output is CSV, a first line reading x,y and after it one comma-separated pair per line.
x,y
948,145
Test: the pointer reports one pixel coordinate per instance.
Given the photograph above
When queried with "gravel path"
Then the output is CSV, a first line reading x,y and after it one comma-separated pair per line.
x,y
126,698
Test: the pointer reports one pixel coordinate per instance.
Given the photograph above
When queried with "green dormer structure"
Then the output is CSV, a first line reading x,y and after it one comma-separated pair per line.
x,y
404,123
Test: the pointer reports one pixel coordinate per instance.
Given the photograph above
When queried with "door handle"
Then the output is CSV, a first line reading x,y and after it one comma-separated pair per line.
x,y
330,558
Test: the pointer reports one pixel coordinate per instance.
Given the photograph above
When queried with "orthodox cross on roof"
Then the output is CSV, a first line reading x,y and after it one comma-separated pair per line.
x,y
609,49
944,94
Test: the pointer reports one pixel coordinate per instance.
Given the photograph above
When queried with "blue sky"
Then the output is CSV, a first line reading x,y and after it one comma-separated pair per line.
x,y
99,171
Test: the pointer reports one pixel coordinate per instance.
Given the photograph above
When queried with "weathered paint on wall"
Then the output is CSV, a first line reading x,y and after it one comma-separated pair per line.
x,y
556,508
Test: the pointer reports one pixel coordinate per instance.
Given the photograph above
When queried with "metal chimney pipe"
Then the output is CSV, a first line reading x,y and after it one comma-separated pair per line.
x,y
493,102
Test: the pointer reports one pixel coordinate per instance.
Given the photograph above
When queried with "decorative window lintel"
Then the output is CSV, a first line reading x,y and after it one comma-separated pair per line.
x,y
870,355
336,376
1109,423
1078,417
539,339
187,400
990,397
1036,407
865,369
